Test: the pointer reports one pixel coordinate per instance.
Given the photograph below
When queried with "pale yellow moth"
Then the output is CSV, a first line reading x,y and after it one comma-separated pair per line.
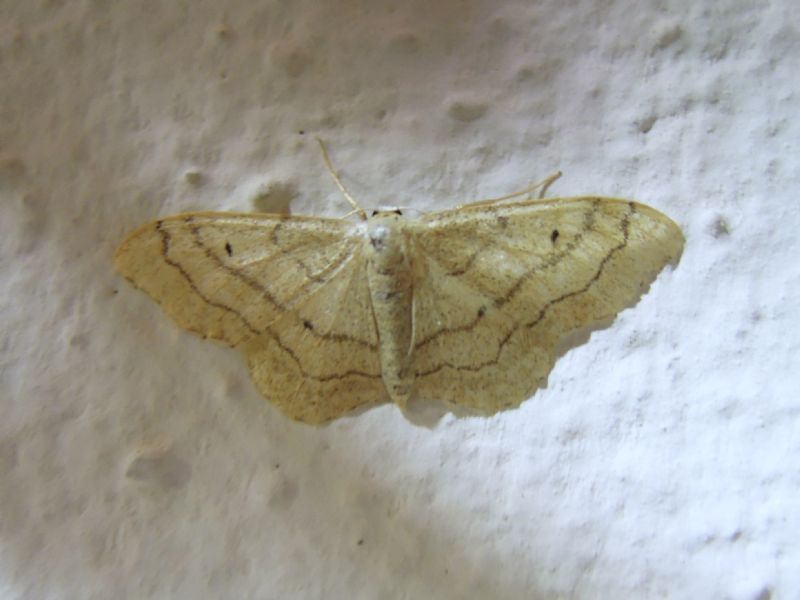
x,y
465,306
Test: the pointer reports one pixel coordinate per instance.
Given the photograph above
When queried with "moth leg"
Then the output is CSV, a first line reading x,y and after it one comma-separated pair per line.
x,y
356,206
544,185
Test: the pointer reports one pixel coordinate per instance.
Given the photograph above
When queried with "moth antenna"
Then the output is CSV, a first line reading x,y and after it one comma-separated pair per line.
x,y
547,183
328,165
352,212
544,184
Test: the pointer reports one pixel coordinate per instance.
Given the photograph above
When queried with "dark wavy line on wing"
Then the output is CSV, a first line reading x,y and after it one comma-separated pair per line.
x,y
588,226
264,292
624,226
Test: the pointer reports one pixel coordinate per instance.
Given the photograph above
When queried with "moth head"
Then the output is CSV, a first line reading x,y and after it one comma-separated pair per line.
x,y
386,213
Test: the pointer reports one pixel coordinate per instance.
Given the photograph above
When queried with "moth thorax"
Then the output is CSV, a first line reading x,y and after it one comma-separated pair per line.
x,y
386,237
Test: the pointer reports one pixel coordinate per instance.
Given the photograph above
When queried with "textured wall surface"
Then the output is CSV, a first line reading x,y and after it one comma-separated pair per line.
x,y
137,461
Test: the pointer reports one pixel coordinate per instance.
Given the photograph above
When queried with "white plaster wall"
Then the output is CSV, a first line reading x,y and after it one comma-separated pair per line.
x,y
137,461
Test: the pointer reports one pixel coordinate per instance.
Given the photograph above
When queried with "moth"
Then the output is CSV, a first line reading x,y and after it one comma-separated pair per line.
x,y
465,306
